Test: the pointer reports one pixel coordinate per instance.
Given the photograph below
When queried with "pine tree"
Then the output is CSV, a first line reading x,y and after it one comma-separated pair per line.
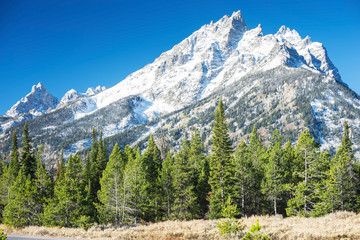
x,y
99,165
272,185
21,208
28,162
66,209
60,171
303,201
257,155
6,181
166,183
244,175
135,183
14,157
151,168
44,187
184,207
111,195
342,176
221,164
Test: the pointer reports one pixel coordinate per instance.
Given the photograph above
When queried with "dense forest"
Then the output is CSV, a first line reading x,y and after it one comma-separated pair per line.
x,y
131,186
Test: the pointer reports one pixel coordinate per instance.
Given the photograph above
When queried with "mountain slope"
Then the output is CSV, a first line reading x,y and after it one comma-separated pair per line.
x,y
271,81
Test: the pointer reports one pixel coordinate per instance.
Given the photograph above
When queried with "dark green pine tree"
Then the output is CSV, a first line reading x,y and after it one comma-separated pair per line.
x,y
166,183
44,187
151,168
304,200
258,157
14,157
28,161
89,209
200,174
99,165
245,182
184,207
221,177
21,209
110,195
60,171
273,184
66,208
342,175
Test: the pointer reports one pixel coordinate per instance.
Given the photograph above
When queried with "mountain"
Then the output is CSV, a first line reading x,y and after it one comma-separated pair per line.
x,y
275,81
37,102
73,95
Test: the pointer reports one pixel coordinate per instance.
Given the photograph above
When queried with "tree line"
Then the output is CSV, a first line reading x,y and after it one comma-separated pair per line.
x,y
131,186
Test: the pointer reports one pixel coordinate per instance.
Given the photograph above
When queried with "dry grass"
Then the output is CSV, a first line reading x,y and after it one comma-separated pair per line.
x,y
340,225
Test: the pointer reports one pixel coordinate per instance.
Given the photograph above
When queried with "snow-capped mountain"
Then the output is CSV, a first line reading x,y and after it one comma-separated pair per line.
x,y
73,95
36,103
271,81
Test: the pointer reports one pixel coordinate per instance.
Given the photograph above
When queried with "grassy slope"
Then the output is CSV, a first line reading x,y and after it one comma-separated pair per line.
x,y
340,225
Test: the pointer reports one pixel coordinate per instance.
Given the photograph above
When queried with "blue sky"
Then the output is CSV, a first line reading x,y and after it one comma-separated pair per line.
x,y
79,44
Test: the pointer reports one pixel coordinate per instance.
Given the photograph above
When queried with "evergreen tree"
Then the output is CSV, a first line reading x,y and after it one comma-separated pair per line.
x,y
60,171
272,185
99,164
166,183
304,199
89,208
21,209
28,162
151,168
6,181
221,177
256,150
111,193
245,181
342,176
135,182
203,189
44,187
184,206
66,209
14,157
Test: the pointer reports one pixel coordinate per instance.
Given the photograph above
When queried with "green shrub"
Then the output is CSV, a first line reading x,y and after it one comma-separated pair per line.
x,y
230,226
254,233
3,236
85,222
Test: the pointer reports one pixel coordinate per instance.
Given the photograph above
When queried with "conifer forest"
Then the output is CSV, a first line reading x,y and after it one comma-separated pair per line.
x,y
133,186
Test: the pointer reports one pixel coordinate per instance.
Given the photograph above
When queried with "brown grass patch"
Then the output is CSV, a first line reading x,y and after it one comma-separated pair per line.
x,y
339,225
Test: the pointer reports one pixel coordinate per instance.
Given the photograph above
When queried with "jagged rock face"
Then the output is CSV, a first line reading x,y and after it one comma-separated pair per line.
x,y
37,102
272,81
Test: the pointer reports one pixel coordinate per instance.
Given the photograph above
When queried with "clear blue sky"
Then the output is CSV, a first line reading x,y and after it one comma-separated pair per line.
x,y
78,44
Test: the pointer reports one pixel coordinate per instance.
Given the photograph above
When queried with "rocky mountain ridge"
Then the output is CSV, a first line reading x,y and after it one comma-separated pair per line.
x,y
270,81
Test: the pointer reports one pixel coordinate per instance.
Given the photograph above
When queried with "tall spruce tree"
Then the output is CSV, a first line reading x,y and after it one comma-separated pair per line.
x,y
28,162
110,195
184,207
151,168
66,209
167,183
221,177
342,176
272,185
245,182
21,209
14,157
256,150
304,199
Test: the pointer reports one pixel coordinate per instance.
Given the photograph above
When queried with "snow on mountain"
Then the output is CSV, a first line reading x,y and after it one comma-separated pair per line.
x,y
73,95
213,57
36,103
274,81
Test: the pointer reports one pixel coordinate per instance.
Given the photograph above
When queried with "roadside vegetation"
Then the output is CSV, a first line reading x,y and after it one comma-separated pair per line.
x,y
134,192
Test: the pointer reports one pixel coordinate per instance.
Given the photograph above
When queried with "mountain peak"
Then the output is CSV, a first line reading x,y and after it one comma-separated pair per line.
x,y
37,102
